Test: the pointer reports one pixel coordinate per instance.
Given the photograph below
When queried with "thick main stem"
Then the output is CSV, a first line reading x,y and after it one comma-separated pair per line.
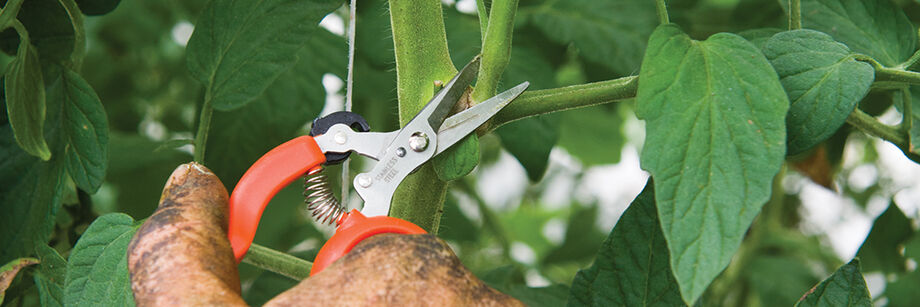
x,y
420,44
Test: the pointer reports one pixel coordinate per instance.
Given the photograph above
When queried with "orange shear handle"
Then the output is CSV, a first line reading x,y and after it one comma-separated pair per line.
x,y
272,172
354,228
275,170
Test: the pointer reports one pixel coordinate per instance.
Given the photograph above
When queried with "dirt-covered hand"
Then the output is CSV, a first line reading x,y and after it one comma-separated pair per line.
x,y
181,257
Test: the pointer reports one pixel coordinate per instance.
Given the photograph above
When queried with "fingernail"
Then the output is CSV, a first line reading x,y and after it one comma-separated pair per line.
x,y
178,175
200,168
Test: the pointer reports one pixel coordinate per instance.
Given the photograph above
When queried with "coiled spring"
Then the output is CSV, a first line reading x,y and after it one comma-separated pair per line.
x,y
320,201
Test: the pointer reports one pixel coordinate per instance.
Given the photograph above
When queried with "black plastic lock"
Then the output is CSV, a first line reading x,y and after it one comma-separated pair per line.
x,y
322,124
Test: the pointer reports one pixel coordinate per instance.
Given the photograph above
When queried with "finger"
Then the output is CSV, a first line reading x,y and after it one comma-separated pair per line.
x,y
181,256
394,270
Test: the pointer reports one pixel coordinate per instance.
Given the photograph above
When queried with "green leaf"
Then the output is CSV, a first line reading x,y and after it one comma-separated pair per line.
x,y
85,130
25,101
239,48
612,33
458,160
632,267
715,138
582,237
593,135
455,225
135,167
846,287
530,141
97,7
882,249
903,291
9,270
30,195
759,37
97,270
291,102
823,81
878,28
50,276
779,280
508,281
50,30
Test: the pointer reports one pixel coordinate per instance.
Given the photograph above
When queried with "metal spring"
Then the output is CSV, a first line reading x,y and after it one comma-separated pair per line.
x,y
320,201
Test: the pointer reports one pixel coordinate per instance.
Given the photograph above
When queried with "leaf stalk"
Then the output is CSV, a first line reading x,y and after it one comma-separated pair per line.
x,y
204,125
662,9
795,14
533,103
873,127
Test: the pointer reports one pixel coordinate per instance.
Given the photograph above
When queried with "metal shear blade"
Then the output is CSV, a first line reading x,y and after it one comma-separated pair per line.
x,y
429,133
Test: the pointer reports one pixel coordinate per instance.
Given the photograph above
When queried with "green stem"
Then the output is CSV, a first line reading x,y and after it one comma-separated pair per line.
x,y
204,124
483,17
271,260
79,44
795,14
496,49
558,99
873,127
907,110
420,45
662,9
911,61
898,75
9,13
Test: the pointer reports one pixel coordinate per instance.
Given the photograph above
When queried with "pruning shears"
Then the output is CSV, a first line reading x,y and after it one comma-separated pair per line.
x,y
398,153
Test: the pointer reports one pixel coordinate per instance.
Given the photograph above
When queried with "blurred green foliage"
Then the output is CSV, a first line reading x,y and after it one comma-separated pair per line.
x,y
132,57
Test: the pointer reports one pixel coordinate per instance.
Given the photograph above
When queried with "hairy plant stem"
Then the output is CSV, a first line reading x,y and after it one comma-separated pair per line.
x,y
271,260
868,124
496,49
910,61
795,14
483,17
898,75
420,44
204,124
539,102
662,9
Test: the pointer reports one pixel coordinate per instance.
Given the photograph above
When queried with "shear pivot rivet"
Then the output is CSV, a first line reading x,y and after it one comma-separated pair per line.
x,y
400,152
418,141
340,138
364,181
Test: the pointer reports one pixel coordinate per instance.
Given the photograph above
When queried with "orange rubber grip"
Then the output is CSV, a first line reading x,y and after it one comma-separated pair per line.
x,y
272,172
354,228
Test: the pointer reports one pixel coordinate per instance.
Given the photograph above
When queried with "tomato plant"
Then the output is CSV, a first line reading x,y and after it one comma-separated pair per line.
x,y
738,104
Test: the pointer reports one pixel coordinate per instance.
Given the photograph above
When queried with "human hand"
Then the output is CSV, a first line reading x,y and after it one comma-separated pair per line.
x,y
181,256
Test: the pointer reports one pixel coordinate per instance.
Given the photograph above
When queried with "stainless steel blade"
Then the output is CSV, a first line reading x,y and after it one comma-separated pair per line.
x,y
440,105
461,124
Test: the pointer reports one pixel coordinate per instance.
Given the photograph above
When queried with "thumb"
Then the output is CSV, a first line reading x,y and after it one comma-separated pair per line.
x,y
181,255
